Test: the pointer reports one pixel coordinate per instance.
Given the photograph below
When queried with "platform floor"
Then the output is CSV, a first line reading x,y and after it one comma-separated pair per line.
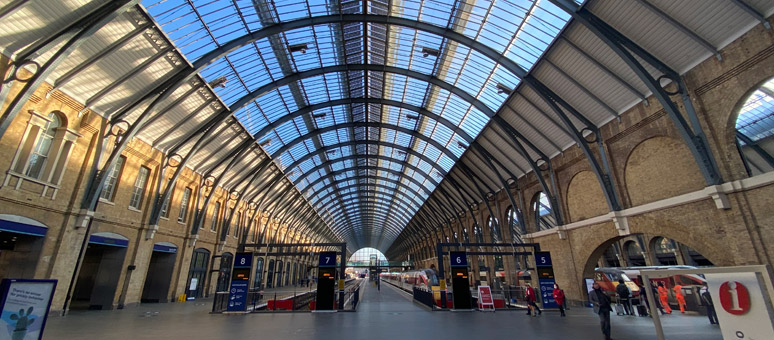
x,y
388,314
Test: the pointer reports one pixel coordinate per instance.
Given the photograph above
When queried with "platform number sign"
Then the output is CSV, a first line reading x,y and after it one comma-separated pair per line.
x,y
543,259
327,259
546,280
240,281
458,259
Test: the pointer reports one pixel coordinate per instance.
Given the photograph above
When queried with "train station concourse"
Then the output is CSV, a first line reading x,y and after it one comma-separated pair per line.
x,y
304,169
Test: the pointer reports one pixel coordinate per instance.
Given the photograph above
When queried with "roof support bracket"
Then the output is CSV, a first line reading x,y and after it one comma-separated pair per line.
x,y
75,34
692,135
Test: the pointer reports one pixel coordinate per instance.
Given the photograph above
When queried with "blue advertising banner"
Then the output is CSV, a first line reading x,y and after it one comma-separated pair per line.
x,y
240,282
24,306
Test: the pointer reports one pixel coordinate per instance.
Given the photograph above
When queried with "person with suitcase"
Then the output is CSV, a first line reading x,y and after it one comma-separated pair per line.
x,y
624,301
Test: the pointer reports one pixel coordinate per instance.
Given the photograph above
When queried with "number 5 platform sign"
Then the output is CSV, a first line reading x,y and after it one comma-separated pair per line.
x,y
240,282
24,306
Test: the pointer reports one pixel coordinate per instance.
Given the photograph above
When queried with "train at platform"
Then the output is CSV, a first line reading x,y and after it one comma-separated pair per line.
x,y
608,277
423,279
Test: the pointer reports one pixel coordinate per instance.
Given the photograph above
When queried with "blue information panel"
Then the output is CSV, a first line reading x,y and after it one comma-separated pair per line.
x,y
458,259
547,293
545,271
240,282
327,259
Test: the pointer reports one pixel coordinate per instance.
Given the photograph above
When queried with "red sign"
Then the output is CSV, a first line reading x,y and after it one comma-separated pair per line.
x,y
485,295
734,297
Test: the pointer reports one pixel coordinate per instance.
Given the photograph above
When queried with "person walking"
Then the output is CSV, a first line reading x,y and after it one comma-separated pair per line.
x,y
559,298
655,297
602,308
624,297
707,299
663,295
679,296
530,297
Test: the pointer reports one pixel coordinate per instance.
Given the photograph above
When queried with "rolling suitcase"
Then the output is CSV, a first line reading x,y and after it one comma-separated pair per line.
x,y
619,309
642,310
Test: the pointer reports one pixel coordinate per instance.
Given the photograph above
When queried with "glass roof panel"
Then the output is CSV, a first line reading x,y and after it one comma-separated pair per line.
x,y
519,29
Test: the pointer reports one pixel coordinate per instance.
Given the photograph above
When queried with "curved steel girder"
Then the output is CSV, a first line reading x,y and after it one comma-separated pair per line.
x,y
373,199
248,98
444,32
358,177
379,125
333,182
402,148
347,101
377,208
345,199
353,168
374,207
392,228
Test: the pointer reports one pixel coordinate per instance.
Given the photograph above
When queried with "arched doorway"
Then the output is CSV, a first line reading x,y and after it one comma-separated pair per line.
x,y
197,273
21,240
159,275
100,271
224,272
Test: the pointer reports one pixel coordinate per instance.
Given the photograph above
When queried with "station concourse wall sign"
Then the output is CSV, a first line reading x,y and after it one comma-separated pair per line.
x,y
545,271
240,282
24,307
740,305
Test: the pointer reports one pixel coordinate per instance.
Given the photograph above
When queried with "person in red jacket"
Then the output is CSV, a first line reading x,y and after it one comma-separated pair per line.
x,y
530,297
559,298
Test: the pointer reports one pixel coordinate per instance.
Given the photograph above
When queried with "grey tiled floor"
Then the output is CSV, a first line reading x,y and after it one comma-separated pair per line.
x,y
386,314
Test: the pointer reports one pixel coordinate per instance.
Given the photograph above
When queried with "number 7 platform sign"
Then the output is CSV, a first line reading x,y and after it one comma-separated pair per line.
x,y
327,259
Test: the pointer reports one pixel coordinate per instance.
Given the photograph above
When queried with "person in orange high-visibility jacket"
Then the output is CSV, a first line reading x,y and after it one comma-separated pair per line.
x,y
663,296
680,298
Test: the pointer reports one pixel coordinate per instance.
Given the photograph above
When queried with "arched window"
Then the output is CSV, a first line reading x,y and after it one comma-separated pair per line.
x,y
665,250
634,253
494,228
479,234
42,147
755,130
513,224
543,214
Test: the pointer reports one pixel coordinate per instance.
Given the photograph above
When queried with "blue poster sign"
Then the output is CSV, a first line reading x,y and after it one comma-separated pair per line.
x,y
24,307
240,282
327,259
547,293
458,259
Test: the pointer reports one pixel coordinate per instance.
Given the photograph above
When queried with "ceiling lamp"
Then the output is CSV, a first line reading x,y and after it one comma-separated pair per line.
x,y
426,51
297,48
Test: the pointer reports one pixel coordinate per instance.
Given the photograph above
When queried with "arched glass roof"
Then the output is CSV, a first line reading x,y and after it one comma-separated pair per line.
x,y
346,107
363,257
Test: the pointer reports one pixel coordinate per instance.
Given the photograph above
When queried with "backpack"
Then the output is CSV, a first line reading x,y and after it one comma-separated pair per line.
x,y
623,291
